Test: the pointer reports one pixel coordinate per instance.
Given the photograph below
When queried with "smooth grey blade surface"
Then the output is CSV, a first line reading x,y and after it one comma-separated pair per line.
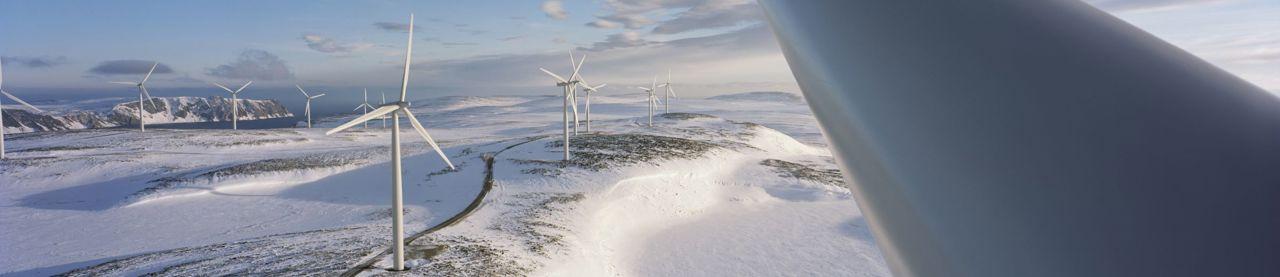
x,y
1037,138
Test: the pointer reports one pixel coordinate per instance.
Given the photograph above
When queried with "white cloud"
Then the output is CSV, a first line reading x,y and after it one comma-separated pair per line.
x,y
554,9
604,24
328,45
1146,5
713,64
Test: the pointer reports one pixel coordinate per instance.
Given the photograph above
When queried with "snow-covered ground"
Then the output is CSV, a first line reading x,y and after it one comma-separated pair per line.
x,y
719,187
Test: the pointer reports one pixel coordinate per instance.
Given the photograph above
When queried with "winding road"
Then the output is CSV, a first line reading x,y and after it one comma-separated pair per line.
x,y
488,183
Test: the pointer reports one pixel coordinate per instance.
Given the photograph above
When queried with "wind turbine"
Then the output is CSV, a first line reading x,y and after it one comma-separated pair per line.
x,y
235,104
142,92
653,99
309,97
395,109
366,106
671,92
15,98
568,96
589,89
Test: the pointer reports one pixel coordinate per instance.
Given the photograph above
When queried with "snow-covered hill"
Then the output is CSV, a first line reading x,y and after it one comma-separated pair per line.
x,y
772,96
112,112
713,189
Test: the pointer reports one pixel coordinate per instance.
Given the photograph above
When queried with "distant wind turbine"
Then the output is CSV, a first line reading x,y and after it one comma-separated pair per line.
x,y
15,98
142,96
653,99
235,104
365,106
568,96
309,97
589,89
395,110
670,92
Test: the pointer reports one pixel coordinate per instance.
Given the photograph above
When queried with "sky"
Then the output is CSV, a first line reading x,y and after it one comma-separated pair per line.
x,y
489,47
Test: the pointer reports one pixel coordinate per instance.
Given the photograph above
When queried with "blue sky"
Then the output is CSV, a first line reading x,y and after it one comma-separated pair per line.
x,y
492,47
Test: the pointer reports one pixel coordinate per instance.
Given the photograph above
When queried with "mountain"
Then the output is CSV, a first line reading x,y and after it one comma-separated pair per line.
x,y
94,114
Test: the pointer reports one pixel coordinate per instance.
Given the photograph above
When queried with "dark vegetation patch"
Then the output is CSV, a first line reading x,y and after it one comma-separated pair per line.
x,y
596,152
800,171
311,253
57,148
462,256
533,219
313,161
258,142
685,116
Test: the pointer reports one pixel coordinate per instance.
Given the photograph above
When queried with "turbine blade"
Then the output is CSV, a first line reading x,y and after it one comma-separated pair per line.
x,y
223,87
672,90
408,57
149,98
553,75
358,108
153,69
304,92
578,67
317,96
662,85
423,131
24,103
242,87
366,117
573,102
598,87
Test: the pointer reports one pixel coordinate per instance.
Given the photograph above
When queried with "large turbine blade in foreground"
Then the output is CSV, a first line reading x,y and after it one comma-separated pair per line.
x,y
1037,138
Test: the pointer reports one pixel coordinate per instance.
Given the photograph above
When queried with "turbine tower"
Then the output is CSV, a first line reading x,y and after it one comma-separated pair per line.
x,y
15,98
670,92
235,104
395,110
653,99
568,84
365,106
309,97
589,89
142,96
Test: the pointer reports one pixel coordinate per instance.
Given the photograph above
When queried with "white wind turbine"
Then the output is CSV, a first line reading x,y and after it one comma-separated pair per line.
x,y
309,97
142,92
235,104
15,98
589,89
670,92
653,99
365,106
568,96
395,110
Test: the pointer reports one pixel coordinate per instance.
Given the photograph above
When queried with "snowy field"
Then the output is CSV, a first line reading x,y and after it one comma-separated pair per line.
x,y
726,186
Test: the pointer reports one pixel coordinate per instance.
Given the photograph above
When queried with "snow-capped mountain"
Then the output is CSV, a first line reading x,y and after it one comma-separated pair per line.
x,y
100,113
